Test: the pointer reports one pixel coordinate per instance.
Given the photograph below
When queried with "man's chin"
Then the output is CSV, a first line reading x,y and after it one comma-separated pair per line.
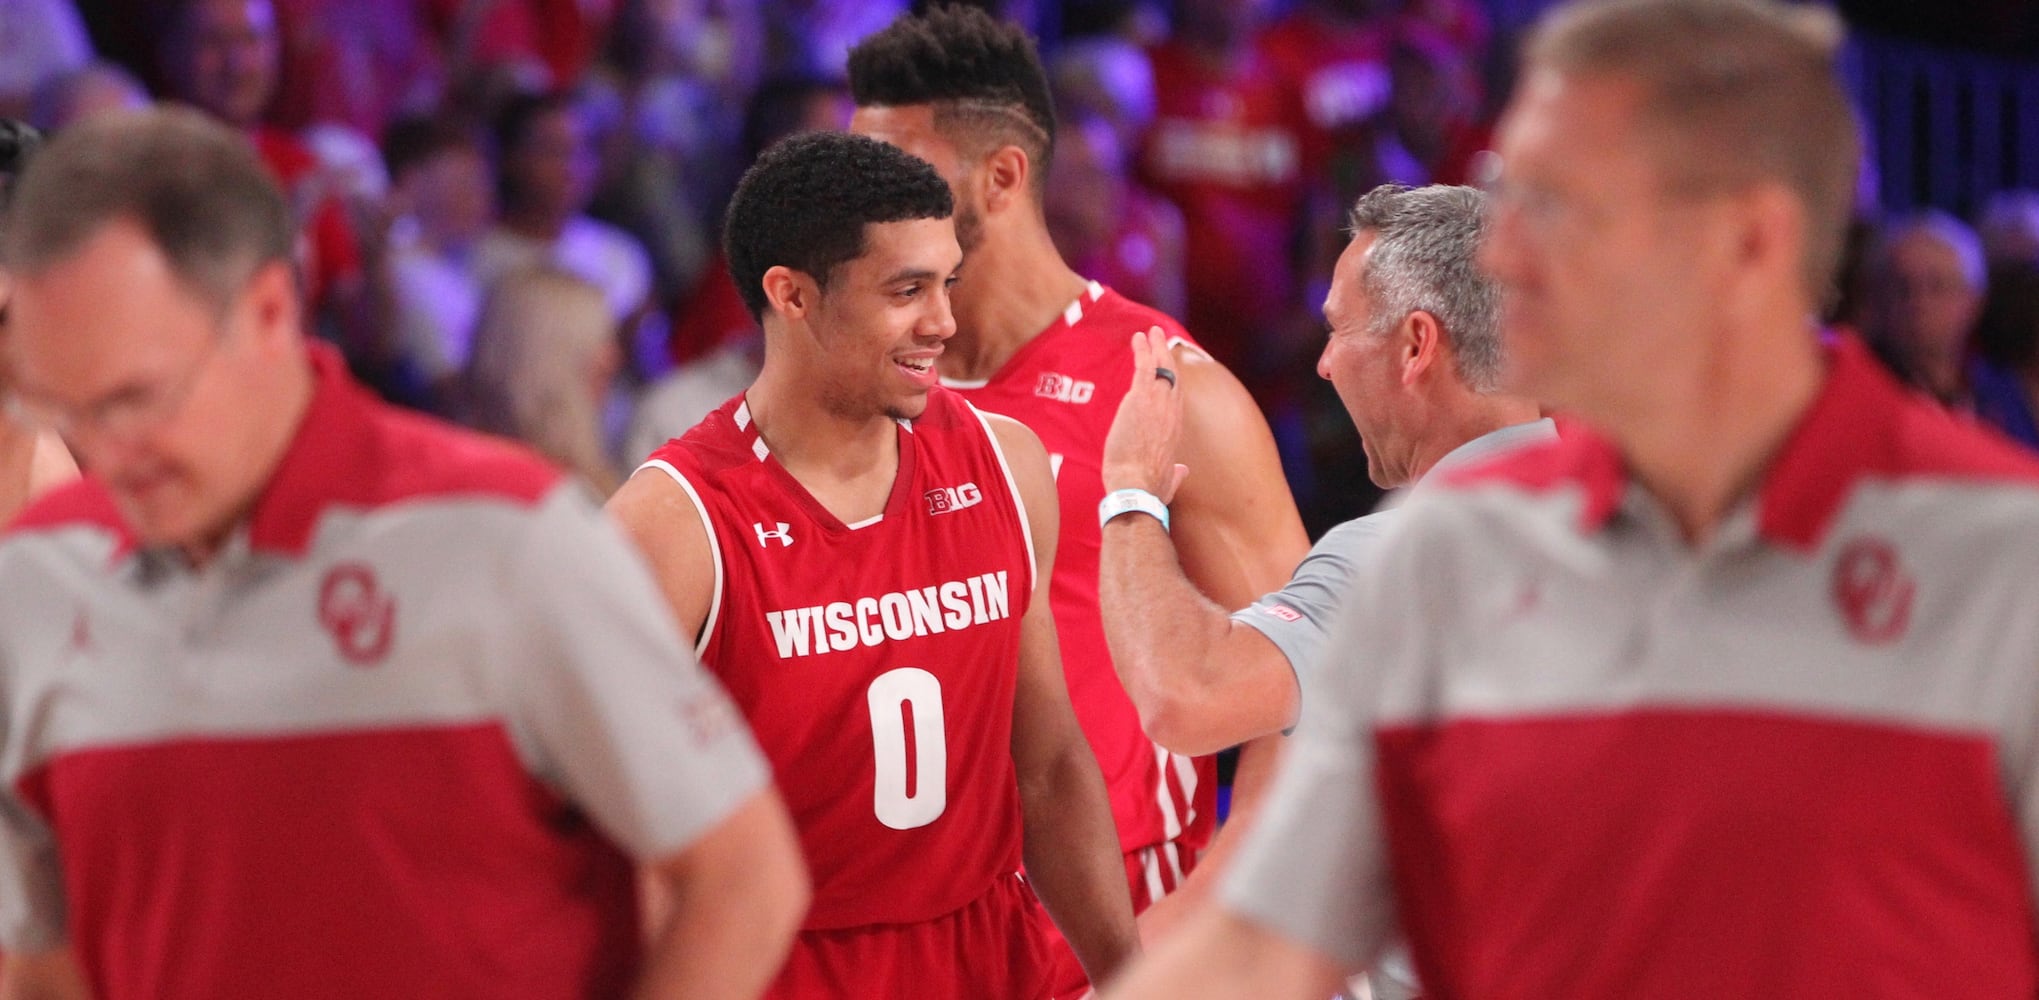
x,y
910,409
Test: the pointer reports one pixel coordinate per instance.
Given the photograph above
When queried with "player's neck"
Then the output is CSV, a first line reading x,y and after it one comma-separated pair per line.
x,y
1019,286
846,464
1708,438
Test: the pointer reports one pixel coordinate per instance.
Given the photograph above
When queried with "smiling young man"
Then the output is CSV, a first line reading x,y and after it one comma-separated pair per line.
x,y
864,558
301,695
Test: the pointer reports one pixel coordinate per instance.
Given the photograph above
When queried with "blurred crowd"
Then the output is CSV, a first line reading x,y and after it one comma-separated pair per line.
x,y
439,149
1953,308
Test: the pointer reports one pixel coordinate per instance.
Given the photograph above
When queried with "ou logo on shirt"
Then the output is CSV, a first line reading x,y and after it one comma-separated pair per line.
x,y
360,617
1873,591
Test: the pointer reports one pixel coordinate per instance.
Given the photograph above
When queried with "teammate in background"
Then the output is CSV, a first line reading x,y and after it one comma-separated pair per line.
x,y
1731,697
864,559
1037,342
305,696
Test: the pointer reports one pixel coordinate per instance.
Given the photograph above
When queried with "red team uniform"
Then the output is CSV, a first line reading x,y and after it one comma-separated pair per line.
x,y
1065,385
1227,148
877,663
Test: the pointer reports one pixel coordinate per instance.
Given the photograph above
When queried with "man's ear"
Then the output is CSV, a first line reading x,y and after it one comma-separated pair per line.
x,y
1005,177
1419,345
275,305
792,294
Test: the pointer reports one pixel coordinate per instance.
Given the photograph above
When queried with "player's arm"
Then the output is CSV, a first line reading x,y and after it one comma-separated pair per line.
x,y
1200,680
661,520
43,975
1071,848
1219,954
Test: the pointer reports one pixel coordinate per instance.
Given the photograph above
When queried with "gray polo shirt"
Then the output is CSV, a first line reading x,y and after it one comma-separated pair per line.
x,y
1298,617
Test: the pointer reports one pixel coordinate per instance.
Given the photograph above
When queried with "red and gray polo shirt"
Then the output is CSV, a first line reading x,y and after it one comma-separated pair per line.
x,y
1572,755
405,737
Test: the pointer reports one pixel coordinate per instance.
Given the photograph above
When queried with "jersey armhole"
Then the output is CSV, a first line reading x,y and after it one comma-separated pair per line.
x,y
1181,341
1019,502
714,550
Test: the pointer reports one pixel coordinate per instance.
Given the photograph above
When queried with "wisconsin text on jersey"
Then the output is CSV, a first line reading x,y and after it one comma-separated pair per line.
x,y
869,621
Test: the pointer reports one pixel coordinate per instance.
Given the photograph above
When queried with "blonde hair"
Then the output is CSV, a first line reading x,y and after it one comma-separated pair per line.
x,y
541,332
1739,91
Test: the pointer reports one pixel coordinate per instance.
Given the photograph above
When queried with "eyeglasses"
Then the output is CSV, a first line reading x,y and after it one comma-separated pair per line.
x,y
124,415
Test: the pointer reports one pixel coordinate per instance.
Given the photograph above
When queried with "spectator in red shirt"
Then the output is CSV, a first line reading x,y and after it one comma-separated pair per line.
x,y
1226,148
222,57
1107,227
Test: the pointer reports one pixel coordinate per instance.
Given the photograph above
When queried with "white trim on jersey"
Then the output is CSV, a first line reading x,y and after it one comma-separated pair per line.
x,y
1019,503
965,383
866,522
1150,864
1174,861
714,547
1185,772
1171,824
1175,342
742,415
1074,314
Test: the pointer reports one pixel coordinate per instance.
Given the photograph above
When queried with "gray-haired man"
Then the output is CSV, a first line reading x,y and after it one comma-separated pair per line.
x,y
1415,356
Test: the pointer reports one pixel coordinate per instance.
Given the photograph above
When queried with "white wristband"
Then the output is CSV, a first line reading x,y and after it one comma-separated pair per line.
x,y
1130,501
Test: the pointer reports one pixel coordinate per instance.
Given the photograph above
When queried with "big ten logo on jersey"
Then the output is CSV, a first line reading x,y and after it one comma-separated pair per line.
x,y
944,499
1063,389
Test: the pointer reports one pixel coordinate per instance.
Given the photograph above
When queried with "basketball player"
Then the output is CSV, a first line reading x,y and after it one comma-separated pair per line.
x,y
1038,342
864,560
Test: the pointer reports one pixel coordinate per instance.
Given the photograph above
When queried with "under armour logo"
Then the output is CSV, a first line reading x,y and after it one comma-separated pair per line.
x,y
360,617
783,533
1873,591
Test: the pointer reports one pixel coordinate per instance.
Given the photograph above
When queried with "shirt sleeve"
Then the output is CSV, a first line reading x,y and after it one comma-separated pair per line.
x,y
31,883
1314,868
1298,618
611,704
31,880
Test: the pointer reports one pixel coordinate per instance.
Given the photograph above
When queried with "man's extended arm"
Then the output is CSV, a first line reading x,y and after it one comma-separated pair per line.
x,y
1238,535
1200,680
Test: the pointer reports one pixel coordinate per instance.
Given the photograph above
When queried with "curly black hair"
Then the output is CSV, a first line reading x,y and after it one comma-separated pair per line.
x,y
983,77
805,202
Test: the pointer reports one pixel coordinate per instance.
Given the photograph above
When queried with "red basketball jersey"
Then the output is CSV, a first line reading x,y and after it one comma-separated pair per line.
x,y
1066,384
875,661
